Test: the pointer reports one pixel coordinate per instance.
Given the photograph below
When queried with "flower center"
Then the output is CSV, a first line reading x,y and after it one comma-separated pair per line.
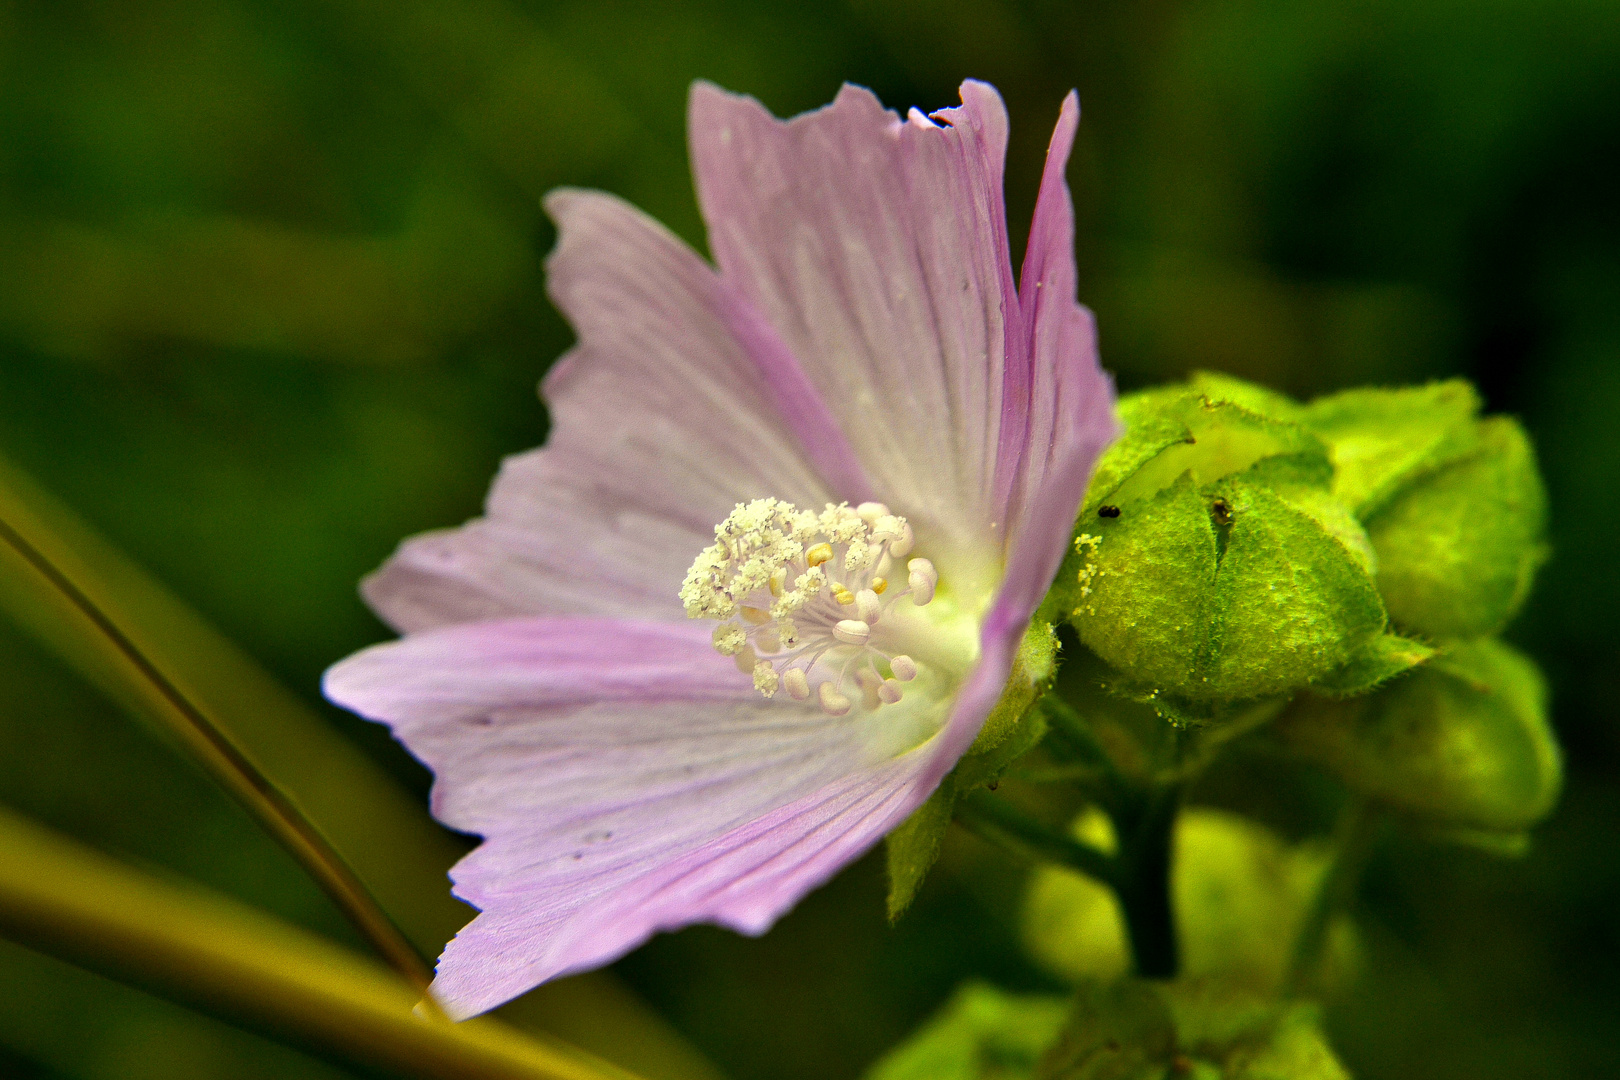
x,y
805,600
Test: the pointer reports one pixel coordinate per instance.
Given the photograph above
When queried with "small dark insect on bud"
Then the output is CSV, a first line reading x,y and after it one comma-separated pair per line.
x,y
1108,511
1221,511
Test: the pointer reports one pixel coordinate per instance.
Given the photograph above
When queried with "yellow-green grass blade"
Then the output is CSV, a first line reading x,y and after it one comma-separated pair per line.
x,y
209,951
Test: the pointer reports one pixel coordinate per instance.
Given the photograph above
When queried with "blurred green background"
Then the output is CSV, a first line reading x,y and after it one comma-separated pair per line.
x,y
270,299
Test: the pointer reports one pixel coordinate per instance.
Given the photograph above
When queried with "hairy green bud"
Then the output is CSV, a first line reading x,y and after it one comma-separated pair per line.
x,y
1463,742
1459,549
1214,564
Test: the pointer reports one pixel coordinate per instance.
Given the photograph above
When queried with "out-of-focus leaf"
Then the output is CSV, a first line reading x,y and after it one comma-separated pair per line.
x,y
381,831
226,958
535,112
1240,893
982,1033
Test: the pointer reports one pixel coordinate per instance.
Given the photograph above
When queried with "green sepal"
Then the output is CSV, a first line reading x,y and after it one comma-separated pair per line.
x,y
1374,664
1013,728
982,1033
1458,550
1149,430
1223,439
1383,439
1031,674
912,849
1262,400
1461,743
1134,1030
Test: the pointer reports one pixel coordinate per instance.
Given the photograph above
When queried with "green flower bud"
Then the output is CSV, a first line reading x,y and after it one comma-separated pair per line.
x,y
1214,564
1458,549
1240,896
1463,742
1384,439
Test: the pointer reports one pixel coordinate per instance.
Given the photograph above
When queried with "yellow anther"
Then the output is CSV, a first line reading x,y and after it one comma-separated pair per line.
x,y
757,616
843,595
818,554
778,581
879,584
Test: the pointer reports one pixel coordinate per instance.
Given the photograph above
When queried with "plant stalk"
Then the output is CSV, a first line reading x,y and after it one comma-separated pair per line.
x,y
272,808
1003,824
1146,844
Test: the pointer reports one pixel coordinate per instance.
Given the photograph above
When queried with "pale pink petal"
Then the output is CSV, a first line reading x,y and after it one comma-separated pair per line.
x,y
662,420
627,779
1052,438
877,248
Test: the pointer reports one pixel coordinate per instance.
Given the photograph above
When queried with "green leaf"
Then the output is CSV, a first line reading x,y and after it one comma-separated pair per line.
x,y
205,950
1458,551
1383,439
1462,743
1374,664
982,1033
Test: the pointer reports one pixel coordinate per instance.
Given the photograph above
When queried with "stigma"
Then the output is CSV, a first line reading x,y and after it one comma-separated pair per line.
x,y
803,600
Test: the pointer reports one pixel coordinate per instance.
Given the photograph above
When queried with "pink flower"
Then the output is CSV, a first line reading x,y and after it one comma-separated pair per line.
x,y
892,439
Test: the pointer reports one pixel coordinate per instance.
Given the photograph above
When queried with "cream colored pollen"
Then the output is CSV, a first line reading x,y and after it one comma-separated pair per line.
x,y
799,592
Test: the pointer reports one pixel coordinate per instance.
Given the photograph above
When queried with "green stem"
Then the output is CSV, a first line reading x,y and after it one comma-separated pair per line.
x,y
1078,742
238,775
1354,839
1003,824
1146,831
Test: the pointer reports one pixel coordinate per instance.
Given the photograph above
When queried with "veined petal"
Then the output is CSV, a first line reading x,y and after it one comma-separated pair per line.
x,y
877,248
662,420
627,781
1058,409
